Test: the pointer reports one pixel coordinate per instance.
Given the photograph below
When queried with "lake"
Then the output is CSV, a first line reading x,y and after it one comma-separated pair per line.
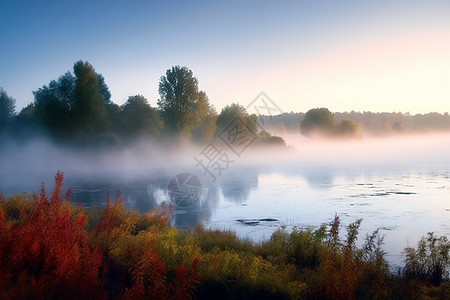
x,y
400,186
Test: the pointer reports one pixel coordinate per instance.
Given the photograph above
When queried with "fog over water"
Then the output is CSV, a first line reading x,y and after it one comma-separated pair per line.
x,y
399,184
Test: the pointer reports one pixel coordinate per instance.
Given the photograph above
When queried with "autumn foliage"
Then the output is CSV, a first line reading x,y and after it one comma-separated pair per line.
x,y
46,252
52,249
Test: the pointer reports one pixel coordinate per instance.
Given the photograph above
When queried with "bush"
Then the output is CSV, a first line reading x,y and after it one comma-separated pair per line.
x,y
45,252
430,261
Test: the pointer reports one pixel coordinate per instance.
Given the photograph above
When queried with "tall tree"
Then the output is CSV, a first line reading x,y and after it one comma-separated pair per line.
x,y
25,121
103,89
206,123
54,105
61,89
179,101
139,119
7,108
89,112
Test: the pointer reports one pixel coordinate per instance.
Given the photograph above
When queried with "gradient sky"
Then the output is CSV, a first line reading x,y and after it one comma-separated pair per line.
x,y
344,55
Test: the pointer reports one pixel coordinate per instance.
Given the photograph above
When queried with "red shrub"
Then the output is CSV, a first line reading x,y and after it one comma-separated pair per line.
x,y
48,255
186,281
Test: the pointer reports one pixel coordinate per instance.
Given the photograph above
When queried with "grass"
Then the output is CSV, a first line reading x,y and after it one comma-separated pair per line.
x,y
51,248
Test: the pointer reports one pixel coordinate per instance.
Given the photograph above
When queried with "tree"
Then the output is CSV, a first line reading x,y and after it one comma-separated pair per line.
x,y
347,128
206,126
179,101
61,89
103,89
139,119
317,121
89,112
230,112
281,128
27,113
24,121
114,116
398,126
7,108
55,116
53,104
267,140
56,107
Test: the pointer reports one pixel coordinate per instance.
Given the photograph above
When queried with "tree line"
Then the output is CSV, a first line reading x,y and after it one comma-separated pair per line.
x,y
77,109
356,123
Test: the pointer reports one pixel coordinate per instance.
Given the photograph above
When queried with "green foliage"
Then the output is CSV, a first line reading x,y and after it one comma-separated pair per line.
x,y
89,114
266,139
180,103
53,105
352,235
224,240
347,129
317,121
55,116
205,128
301,248
25,119
77,108
62,90
138,119
320,122
18,208
103,89
230,112
74,107
430,261
7,109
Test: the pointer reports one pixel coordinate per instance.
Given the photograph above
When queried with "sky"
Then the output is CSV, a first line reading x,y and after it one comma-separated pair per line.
x,y
380,56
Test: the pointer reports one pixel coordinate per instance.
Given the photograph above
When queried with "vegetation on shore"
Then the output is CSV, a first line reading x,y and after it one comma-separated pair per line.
x,y
76,110
51,248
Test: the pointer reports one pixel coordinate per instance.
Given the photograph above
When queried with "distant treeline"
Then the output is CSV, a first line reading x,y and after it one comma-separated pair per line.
x,y
76,109
368,122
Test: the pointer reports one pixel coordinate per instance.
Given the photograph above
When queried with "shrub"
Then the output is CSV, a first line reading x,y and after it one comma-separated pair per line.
x,y
430,261
45,253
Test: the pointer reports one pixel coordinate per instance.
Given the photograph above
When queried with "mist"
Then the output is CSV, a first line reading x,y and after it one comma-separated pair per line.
x,y
398,185
24,166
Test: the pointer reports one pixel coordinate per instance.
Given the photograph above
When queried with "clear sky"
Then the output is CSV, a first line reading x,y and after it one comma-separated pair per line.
x,y
344,55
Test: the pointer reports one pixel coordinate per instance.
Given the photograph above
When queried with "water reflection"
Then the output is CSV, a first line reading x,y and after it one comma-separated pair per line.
x,y
320,178
236,186
292,193
201,212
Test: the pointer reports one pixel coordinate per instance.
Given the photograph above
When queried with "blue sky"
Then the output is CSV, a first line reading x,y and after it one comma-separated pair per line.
x,y
344,55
